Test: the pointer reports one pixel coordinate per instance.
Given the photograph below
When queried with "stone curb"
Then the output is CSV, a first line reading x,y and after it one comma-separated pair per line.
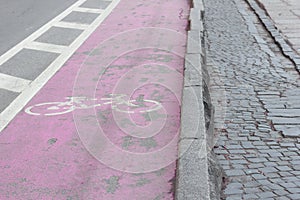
x,y
197,175
266,20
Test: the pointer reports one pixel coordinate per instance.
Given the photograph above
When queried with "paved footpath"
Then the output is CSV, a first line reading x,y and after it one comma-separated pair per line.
x,y
80,137
257,88
286,16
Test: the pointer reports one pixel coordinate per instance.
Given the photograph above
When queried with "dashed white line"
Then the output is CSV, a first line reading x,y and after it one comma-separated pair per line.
x,y
89,10
12,83
46,47
13,51
72,25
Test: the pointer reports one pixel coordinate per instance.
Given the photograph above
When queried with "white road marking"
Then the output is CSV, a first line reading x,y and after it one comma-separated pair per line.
x,y
13,51
89,10
12,83
72,25
46,47
16,106
73,103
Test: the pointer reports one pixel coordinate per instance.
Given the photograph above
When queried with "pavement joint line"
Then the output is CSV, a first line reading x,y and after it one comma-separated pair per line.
x,y
12,83
71,25
13,51
88,10
40,46
16,106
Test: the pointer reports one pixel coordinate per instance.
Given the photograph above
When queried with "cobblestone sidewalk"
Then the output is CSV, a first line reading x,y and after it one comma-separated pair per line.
x,y
256,93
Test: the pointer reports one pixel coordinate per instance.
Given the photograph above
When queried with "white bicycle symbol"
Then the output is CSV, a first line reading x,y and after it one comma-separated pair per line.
x,y
117,102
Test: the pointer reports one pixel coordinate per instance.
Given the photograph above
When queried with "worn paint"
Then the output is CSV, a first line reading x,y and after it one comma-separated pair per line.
x,y
42,157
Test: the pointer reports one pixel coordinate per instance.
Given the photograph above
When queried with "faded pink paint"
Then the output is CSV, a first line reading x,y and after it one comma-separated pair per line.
x,y
43,157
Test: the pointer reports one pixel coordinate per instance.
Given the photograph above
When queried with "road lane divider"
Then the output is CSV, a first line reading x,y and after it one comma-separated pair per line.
x,y
29,89
13,51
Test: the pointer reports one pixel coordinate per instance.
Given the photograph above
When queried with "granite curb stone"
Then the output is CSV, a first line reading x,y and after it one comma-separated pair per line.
x,y
198,173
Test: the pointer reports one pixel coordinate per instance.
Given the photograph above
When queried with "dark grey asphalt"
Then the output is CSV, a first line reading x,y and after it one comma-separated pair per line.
x,y
19,19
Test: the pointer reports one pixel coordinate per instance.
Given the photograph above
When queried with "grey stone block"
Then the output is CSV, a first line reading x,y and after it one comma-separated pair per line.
x,y
230,191
240,151
258,176
288,121
291,132
264,195
268,169
197,25
195,14
234,185
193,42
257,160
192,113
192,174
192,72
250,196
234,172
199,4
287,144
281,192
294,196
234,197
283,168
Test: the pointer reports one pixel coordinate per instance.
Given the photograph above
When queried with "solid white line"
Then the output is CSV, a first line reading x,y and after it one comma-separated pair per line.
x,y
89,10
72,25
10,53
16,106
46,47
12,83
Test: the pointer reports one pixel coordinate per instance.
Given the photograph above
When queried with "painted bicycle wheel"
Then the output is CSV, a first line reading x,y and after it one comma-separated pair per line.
x,y
49,109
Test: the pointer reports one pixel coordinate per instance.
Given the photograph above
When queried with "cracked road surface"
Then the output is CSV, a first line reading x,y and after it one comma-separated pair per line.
x,y
257,141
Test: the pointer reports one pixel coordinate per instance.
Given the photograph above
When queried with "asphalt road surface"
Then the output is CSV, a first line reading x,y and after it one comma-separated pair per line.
x,y
21,18
37,38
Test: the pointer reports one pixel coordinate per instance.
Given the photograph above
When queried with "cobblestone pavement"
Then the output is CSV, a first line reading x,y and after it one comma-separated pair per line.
x,y
255,90
286,15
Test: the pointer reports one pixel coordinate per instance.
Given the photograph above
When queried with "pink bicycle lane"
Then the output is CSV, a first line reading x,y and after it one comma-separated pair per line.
x,y
105,146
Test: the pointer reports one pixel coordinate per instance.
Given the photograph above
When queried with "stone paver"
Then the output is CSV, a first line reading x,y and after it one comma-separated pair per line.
x,y
257,87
